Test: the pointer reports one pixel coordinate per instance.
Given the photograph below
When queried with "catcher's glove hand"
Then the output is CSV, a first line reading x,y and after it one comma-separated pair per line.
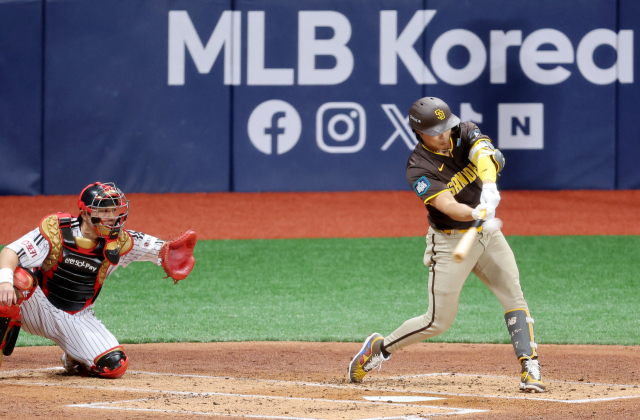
x,y
176,256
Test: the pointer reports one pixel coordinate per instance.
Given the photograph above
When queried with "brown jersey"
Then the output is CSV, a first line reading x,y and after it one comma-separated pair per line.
x,y
430,173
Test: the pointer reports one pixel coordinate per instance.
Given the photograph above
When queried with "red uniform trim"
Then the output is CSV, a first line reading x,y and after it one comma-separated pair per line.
x,y
116,373
25,283
111,374
12,311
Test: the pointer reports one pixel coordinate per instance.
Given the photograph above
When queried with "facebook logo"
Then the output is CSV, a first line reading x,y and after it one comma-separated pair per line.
x,y
274,127
521,126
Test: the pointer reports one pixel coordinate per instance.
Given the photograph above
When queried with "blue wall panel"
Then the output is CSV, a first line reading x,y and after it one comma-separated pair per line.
x,y
275,95
339,128
110,113
629,107
575,153
20,97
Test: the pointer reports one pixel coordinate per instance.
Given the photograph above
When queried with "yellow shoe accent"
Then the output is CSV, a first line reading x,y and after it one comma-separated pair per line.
x,y
368,358
531,378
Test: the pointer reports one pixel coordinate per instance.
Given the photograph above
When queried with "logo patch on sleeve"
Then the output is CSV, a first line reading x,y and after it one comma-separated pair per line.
x,y
147,242
31,250
421,186
473,134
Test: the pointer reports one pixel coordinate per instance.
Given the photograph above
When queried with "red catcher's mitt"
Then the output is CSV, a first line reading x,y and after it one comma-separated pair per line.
x,y
177,256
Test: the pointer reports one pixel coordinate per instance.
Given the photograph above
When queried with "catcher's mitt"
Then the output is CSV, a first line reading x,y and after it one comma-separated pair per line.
x,y
177,256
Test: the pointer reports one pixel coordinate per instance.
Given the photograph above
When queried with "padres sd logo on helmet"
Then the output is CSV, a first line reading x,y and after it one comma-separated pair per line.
x,y
431,116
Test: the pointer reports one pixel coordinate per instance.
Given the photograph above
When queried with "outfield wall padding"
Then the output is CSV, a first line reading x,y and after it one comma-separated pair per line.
x,y
274,95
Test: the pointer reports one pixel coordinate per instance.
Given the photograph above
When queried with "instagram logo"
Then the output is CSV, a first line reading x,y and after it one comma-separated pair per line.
x,y
341,127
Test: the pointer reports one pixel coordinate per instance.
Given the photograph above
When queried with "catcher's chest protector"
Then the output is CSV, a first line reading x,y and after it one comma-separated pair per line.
x,y
71,277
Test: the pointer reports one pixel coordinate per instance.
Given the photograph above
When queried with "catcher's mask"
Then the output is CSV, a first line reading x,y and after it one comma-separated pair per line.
x,y
107,208
431,116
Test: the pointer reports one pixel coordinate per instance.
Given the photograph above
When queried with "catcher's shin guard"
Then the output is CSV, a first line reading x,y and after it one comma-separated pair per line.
x,y
520,326
11,338
10,317
111,364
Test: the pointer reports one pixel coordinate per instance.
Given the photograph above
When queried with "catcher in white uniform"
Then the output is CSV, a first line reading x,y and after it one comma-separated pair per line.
x,y
51,277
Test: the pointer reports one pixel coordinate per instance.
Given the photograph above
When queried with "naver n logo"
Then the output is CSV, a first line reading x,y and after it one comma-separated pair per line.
x,y
274,126
521,126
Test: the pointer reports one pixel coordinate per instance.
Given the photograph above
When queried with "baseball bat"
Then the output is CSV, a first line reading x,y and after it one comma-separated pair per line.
x,y
463,247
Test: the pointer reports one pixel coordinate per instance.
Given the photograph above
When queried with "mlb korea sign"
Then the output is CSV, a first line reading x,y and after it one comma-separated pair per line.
x,y
520,126
321,97
394,48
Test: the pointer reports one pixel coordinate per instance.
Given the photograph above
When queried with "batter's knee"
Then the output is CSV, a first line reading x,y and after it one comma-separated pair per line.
x,y
111,364
436,325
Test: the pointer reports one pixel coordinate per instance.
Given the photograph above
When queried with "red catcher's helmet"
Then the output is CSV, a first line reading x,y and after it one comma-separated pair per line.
x,y
107,207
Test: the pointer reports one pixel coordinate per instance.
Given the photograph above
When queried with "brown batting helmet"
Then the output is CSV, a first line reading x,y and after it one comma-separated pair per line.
x,y
431,116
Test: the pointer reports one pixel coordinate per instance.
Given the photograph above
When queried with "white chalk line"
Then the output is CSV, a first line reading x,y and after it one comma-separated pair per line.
x,y
4,372
321,385
587,400
204,413
508,377
107,404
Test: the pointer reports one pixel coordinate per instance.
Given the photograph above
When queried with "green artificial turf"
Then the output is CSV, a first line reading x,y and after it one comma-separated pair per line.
x,y
580,289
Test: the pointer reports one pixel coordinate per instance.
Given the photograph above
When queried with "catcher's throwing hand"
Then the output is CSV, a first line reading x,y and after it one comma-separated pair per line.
x,y
176,256
7,296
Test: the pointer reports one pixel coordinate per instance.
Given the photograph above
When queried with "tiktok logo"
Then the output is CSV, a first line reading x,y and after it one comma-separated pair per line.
x,y
274,126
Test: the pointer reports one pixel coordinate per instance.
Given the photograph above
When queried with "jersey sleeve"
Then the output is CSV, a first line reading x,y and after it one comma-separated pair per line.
x,y
145,248
470,135
32,249
424,184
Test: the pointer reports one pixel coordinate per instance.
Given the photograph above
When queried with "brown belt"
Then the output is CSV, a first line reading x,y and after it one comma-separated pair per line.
x,y
456,231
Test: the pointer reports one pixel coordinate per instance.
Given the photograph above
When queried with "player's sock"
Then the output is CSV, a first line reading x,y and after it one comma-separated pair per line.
x,y
384,352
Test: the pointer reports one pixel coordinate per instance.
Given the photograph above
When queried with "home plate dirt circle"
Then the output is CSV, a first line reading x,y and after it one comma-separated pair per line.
x,y
241,397
308,381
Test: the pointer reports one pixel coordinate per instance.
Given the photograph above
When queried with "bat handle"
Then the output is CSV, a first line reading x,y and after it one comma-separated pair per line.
x,y
477,223
462,249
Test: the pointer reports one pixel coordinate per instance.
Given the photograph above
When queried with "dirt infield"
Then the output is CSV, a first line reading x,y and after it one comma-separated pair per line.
x,y
308,381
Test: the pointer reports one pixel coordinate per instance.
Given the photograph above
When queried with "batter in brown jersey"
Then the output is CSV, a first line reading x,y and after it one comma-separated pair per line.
x,y
431,173
452,170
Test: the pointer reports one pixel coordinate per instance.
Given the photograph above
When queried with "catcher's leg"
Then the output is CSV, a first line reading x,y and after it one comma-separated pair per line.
x,y
111,364
10,317
86,342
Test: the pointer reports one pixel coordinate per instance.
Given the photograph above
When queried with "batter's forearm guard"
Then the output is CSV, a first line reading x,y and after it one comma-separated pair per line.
x,y
520,326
